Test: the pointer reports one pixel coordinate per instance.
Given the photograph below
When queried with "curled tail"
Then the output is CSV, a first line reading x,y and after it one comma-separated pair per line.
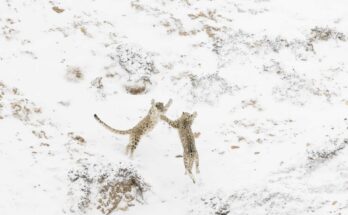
x,y
109,127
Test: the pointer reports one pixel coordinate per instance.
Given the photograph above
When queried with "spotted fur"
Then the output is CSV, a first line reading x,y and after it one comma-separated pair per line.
x,y
142,128
187,137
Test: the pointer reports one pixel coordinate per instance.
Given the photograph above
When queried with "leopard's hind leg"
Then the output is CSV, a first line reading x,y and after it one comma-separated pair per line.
x,y
132,145
196,160
188,162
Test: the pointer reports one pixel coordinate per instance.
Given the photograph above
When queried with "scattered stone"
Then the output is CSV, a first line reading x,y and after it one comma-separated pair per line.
x,y
235,147
57,9
97,83
40,134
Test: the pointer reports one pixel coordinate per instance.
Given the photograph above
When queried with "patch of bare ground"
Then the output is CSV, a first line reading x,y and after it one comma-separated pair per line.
x,y
74,74
19,107
325,34
76,138
107,188
135,90
205,88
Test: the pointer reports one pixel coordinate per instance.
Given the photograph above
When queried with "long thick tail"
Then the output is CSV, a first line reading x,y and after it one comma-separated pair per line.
x,y
109,127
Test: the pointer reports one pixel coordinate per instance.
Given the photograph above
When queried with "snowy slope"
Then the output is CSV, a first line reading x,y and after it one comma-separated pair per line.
x,y
267,78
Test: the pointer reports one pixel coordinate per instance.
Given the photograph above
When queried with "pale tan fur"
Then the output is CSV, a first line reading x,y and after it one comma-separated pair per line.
x,y
142,128
187,137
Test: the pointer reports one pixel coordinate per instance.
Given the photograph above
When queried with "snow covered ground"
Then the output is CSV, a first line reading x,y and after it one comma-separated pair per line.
x,y
268,79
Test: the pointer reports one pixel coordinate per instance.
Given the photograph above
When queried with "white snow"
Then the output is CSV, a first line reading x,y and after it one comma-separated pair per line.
x,y
271,97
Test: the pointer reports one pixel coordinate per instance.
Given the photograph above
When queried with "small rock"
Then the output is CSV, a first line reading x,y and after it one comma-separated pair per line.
x,y
57,9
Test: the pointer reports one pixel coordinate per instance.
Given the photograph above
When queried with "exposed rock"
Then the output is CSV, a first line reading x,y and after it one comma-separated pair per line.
x,y
105,187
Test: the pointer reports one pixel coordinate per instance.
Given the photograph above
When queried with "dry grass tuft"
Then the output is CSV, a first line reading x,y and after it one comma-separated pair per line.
x,y
74,74
77,138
